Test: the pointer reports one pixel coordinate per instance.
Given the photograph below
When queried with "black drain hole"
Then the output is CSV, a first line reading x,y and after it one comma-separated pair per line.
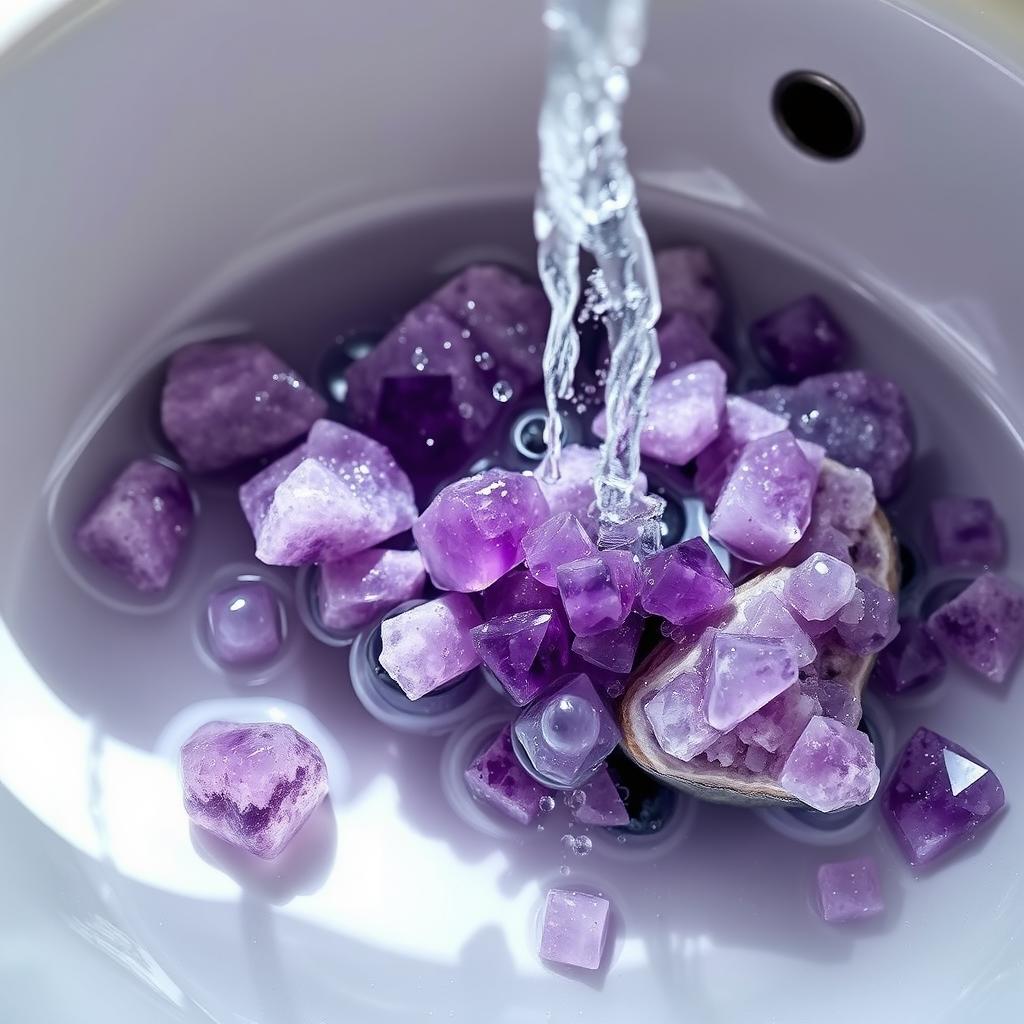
x,y
818,115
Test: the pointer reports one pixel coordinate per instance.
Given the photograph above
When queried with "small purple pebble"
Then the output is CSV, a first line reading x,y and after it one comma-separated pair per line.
x,y
245,624
967,532
849,890
574,928
497,778
800,339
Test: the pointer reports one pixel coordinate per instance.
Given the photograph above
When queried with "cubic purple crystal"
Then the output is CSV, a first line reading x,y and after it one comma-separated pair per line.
x,y
517,591
354,591
252,785
684,413
497,778
430,645
938,796
677,714
820,587
601,802
573,491
245,623
849,890
526,651
137,530
765,505
574,928
832,766
684,583
746,673
225,402
765,615
472,532
614,649
912,660
967,531
983,627
800,339
688,284
598,592
559,540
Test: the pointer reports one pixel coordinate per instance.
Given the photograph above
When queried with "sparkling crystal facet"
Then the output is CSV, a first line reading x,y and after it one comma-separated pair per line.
x,y
678,715
820,587
497,778
875,621
559,540
574,928
746,673
598,592
526,651
245,623
354,591
849,890
614,649
684,583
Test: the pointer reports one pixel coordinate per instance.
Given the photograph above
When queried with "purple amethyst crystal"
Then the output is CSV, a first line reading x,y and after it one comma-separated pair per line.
x,y
820,587
430,645
683,340
765,505
777,726
497,778
766,615
677,714
684,583
472,533
354,591
598,592
800,339
982,627
600,803
688,284
138,528
849,890
746,673
573,491
574,928
684,413
614,649
938,796
252,785
245,624
967,532
833,694
861,419
525,651
336,495
912,660
226,402
517,591
831,767
872,621
559,540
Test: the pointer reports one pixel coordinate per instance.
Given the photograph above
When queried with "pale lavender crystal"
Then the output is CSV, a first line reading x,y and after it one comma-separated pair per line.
x,y
226,402
967,531
800,339
682,340
765,505
430,645
245,623
613,649
600,802
497,778
727,750
849,890
684,413
938,796
746,673
354,591
743,421
568,732
336,495
517,591
766,615
559,540
573,491
874,623
912,660
677,714
252,785
138,528
574,928
982,627
684,583
525,651
598,592
820,587
779,724
472,532
862,420
834,695
688,284
832,766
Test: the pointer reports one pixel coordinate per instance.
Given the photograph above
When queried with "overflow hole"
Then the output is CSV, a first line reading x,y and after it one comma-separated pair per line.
x,y
818,115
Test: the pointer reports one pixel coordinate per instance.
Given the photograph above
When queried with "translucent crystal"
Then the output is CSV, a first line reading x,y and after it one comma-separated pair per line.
x,y
967,532
765,615
354,591
497,778
600,802
526,651
800,339
820,587
613,649
873,622
245,623
598,592
574,928
573,491
677,714
746,673
849,890
559,540
684,583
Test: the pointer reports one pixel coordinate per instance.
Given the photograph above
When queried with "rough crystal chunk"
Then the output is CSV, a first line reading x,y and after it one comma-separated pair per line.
x,y
861,419
833,694
849,890
574,928
497,778
832,766
688,284
912,660
982,627
252,785
967,531
553,543
746,673
599,802
873,621
517,591
765,615
765,505
684,583
614,649
800,339
138,528
472,532
568,732
938,796
354,591
820,587
682,340
684,413
336,495
226,402
573,491
430,645
777,726
598,592
677,714
526,651
245,623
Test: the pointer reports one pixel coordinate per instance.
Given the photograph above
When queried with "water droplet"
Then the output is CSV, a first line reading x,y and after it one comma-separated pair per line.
x,y
576,799
502,391
581,407
447,346
465,410
621,839
564,869
420,360
578,845
547,803
616,690
484,360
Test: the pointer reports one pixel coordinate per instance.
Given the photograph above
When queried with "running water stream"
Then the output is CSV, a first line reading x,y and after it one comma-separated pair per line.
x,y
587,200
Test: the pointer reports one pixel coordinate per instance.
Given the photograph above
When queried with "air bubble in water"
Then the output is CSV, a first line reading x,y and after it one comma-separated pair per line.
x,y
547,803
616,690
578,845
465,410
564,869
484,360
576,799
420,360
502,391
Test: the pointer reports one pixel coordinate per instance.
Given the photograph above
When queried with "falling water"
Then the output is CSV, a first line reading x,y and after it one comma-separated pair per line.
x,y
587,200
